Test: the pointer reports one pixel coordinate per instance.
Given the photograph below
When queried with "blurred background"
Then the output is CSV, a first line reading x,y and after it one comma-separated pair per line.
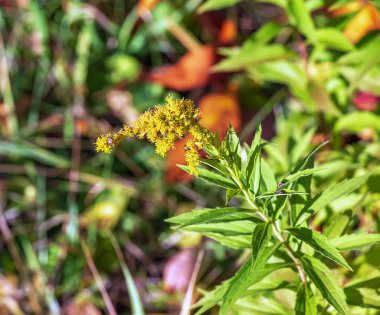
x,y
84,233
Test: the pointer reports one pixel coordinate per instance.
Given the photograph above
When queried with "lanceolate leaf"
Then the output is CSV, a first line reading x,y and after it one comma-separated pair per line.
x,y
227,228
235,241
257,175
216,5
245,277
363,297
330,194
252,152
301,146
355,241
295,176
212,298
214,164
213,215
260,238
230,193
267,177
302,19
306,161
320,243
213,178
340,189
305,302
324,280
234,146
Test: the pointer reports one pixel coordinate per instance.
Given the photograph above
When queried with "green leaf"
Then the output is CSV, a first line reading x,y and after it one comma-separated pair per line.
x,y
343,188
230,193
320,243
260,238
136,304
257,174
297,175
337,224
370,280
264,34
248,57
233,146
233,241
245,277
212,298
363,297
357,121
214,164
211,5
213,178
236,227
213,215
253,151
303,20
303,164
29,151
324,280
355,241
305,301
267,177
301,146
335,39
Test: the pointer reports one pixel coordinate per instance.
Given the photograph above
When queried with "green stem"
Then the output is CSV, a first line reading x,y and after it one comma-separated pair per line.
x,y
276,231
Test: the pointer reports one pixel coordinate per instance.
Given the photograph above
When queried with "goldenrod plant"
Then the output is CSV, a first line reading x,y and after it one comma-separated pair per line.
x,y
272,220
163,125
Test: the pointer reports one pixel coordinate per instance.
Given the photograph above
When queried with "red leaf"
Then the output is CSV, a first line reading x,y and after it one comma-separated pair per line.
x,y
365,101
177,271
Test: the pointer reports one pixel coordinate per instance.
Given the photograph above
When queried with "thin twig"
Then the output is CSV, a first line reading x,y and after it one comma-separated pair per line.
x,y
91,264
186,305
183,36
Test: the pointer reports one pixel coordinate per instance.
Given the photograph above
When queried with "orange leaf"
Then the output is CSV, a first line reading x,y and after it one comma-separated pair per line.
x,y
190,72
177,156
145,6
348,8
228,32
218,110
367,20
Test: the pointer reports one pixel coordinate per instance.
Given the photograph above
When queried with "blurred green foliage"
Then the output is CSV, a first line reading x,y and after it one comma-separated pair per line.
x,y
297,65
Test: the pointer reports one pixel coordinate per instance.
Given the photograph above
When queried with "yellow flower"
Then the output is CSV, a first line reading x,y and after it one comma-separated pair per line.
x,y
162,126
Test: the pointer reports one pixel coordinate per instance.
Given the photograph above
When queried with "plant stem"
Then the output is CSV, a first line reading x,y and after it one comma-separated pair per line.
x,y
183,36
276,231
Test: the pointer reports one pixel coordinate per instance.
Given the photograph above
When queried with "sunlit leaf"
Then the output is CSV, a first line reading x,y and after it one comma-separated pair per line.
x,y
324,280
210,5
355,241
320,243
305,301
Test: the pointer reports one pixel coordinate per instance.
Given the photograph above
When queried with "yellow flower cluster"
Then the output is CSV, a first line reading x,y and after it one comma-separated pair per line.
x,y
163,125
